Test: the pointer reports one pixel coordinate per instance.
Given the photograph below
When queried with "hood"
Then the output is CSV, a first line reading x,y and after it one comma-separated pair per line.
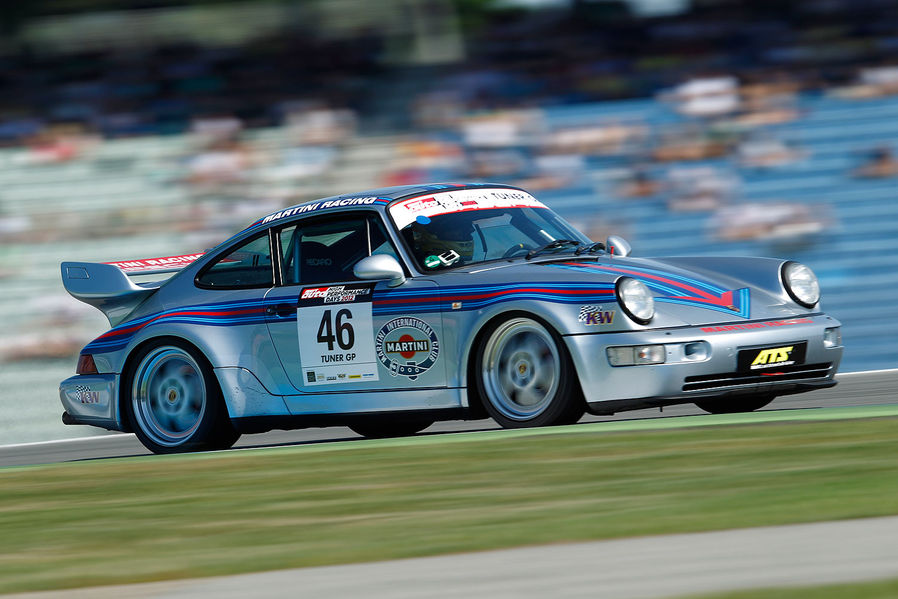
x,y
687,291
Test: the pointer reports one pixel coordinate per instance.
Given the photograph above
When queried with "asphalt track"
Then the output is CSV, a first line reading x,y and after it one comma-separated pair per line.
x,y
854,389
662,566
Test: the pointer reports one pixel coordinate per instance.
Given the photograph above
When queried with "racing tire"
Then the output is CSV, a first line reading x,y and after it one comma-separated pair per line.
x,y
381,429
173,401
734,405
525,377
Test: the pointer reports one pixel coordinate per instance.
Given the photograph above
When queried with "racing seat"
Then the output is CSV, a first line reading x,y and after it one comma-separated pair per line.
x,y
318,263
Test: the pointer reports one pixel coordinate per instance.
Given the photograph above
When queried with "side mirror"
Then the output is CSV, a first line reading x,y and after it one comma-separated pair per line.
x,y
617,246
378,267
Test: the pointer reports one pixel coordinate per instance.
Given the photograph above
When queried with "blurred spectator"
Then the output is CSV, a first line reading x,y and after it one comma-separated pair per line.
x,y
873,82
640,184
55,145
762,151
220,164
707,97
881,163
768,221
699,189
690,143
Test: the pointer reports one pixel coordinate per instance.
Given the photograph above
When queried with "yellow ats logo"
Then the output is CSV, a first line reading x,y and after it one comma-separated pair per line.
x,y
777,356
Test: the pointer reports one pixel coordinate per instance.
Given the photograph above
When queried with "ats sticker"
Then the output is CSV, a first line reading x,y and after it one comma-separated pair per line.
x,y
595,315
773,357
407,346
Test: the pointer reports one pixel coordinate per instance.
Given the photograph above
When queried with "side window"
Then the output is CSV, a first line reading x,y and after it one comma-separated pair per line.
x,y
325,251
247,266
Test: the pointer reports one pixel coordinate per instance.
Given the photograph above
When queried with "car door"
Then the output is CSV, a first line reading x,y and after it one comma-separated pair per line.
x,y
337,334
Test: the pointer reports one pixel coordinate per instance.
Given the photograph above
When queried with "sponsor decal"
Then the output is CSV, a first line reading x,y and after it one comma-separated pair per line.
x,y
407,347
336,334
334,294
364,201
411,209
310,376
146,264
595,315
778,356
86,396
773,357
756,325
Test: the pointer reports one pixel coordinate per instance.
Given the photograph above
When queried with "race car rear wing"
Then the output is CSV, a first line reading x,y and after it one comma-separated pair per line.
x,y
155,265
107,286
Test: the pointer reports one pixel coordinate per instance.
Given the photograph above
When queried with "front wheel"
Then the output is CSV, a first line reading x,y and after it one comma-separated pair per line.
x,y
174,403
525,376
735,404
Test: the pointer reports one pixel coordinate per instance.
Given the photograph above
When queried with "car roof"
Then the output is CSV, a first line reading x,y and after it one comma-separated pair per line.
x,y
379,198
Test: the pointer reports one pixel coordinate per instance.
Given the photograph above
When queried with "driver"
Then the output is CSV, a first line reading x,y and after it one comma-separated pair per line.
x,y
443,240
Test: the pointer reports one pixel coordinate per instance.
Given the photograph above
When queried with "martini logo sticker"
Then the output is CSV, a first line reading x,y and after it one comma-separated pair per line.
x,y
407,347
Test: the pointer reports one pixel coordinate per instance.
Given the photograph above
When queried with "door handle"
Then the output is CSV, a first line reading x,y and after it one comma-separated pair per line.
x,y
280,310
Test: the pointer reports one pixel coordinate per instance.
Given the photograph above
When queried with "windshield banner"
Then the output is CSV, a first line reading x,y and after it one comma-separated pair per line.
x,y
446,202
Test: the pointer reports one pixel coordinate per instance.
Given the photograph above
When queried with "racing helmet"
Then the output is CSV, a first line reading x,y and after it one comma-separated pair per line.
x,y
442,234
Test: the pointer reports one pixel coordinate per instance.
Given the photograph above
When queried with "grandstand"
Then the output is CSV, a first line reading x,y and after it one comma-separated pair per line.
x,y
84,206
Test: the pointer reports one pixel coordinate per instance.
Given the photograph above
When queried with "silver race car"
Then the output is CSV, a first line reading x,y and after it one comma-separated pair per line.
x,y
394,308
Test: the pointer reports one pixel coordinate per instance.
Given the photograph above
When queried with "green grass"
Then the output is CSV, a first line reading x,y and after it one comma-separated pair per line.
x,y
144,519
885,589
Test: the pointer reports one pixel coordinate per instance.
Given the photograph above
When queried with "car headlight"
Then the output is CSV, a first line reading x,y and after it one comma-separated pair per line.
x,y
801,284
635,299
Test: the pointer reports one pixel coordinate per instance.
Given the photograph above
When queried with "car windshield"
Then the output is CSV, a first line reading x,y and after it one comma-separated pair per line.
x,y
448,235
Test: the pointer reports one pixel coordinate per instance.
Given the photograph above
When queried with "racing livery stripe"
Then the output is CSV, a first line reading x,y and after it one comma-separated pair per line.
x,y
678,289
475,298
412,301
214,314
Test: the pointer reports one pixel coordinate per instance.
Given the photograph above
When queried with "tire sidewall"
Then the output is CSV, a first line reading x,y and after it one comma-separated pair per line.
x,y
204,437
565,407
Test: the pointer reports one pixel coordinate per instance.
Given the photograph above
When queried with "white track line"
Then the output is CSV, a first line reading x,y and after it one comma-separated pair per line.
x,y
73,440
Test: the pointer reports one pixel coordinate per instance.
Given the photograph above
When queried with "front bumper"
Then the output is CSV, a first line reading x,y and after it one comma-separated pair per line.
x,y
609,389
90,399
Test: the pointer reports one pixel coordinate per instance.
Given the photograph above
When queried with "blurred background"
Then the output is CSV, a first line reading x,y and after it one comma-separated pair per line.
x,y
158,127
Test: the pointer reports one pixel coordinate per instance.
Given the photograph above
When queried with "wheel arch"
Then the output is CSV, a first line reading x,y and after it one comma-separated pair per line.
x,y
475,401
130,363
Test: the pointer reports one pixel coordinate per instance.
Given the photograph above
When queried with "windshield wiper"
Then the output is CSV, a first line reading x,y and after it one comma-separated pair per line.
x,y
593,247
552,245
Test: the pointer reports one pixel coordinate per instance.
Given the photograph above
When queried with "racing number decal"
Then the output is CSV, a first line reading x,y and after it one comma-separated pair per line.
x,y
336,337
326,334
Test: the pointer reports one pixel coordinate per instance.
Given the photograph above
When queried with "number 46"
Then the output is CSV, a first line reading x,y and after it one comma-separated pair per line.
x,y
345,336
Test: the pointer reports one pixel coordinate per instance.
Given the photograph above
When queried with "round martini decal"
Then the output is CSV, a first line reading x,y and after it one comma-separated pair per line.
x,y
407,347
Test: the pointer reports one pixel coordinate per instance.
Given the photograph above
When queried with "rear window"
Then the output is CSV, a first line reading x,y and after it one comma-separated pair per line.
x,y
245,267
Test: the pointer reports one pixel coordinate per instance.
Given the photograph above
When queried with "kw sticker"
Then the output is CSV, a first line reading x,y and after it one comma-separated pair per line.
x,y
595,315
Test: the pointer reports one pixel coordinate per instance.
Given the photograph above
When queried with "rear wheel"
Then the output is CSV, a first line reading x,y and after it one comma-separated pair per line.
x,y
383,429
734,404
174,403
525,376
